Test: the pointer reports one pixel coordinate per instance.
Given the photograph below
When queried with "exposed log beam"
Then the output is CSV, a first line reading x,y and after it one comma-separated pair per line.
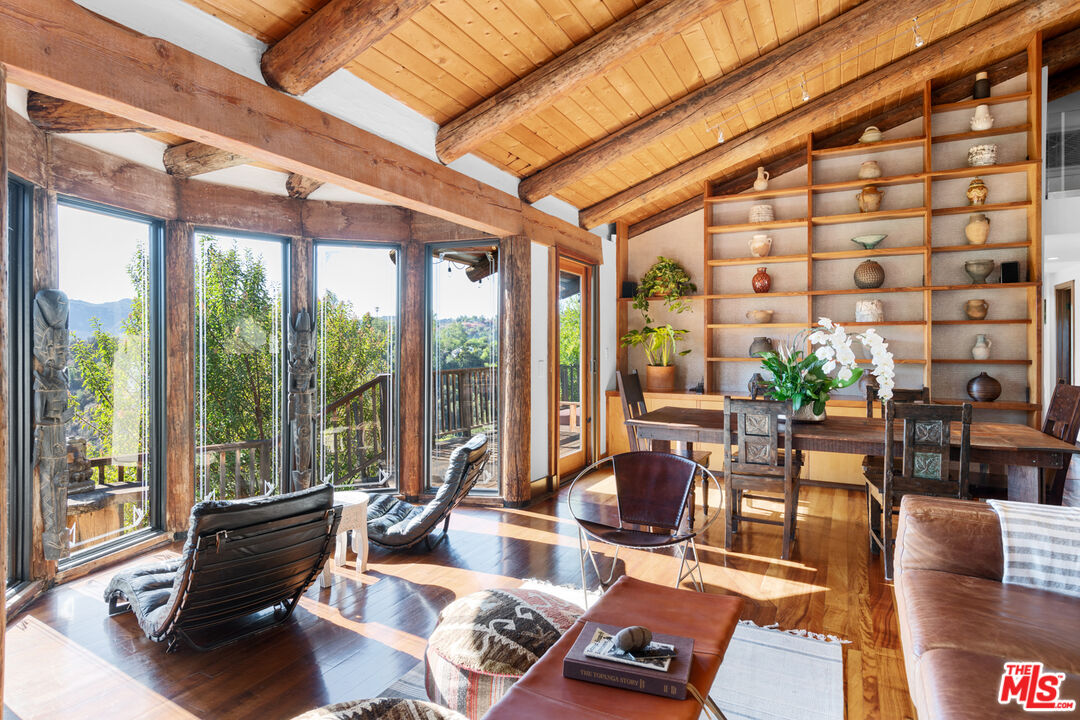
x,y
839,35
650,24
1063,83
196,158
1062,52
1006,30
329,39
300,187
63,116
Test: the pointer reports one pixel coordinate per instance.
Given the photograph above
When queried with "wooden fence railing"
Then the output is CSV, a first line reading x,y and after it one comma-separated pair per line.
x,y
356,434
467,400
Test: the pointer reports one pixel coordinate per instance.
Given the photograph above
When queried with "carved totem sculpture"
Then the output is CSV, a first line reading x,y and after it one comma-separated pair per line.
x,y
302,398
50,415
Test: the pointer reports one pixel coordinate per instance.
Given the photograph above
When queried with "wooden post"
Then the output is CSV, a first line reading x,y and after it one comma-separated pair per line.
x,y
411,372
515,261
179,374
5,337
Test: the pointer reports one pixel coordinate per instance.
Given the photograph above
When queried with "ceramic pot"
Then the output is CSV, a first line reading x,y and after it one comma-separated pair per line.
x,y
978,270
659,378
869,275
983,388
976,309
870,135
869,170
761,344
982,86
869,242
760,245
981,349
869,198
761,281
806,414
982,119
977,192
869,311
762,182
759,316
980,155
761,213
977,229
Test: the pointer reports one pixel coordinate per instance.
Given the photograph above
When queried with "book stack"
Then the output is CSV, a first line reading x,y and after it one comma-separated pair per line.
x,y
663,668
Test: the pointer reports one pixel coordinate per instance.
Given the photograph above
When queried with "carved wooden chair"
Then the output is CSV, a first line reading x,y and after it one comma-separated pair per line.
x,y
1063,422
874,464
925,468
754,461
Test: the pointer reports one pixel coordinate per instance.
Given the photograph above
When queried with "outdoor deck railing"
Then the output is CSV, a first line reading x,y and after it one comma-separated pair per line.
x,y
467,400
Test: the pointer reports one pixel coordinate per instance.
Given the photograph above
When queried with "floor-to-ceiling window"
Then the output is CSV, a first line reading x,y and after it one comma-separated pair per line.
x,y
463,342
574,356
19,285
240,310
108,265
357,330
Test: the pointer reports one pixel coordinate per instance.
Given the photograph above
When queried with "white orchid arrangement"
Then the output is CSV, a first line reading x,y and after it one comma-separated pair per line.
x,y
807,379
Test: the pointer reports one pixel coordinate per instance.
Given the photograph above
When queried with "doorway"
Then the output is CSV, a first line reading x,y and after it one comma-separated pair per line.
x,y
1063,333
574,356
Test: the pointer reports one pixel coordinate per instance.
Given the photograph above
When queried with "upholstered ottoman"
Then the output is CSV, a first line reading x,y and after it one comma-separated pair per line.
x,y
381,709
485,641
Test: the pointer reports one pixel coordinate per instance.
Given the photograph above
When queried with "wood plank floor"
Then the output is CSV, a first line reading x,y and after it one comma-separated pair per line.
x,y
67,659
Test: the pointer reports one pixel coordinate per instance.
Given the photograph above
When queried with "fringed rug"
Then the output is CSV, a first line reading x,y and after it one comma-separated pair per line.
x,y
767,674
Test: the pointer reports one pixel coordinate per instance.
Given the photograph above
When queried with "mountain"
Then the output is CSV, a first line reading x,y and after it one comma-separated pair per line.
x,y
111,315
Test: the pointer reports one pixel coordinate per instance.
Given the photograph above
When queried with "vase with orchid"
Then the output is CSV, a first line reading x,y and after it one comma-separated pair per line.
x,y
807,378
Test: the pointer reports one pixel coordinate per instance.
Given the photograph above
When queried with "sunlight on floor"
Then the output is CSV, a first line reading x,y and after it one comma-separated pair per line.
x,y
399,640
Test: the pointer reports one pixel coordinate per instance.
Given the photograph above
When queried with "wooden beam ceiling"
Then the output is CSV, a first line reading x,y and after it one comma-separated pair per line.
x,y
195,158
300,187
1006,29
842,34
329,39
650,24
62,116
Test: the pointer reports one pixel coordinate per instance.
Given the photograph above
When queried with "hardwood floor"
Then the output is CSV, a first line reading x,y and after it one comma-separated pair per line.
x,y
66,658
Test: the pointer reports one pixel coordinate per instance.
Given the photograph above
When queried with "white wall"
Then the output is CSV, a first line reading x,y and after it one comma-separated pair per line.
x,y
538,454
608,327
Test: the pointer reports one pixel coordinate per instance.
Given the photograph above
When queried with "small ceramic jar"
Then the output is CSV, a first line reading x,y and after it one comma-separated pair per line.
x,y
981,349
869,311
977,229
760,245
869,170
982,119
762,182
869,275
869,198
977,192
870,135
761,282
976,309
982,86
980,155
761,214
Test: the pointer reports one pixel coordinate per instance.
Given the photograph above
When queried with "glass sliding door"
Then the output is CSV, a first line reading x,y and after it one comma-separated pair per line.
x,y
240,311
106,263
573,309
463,361
357,329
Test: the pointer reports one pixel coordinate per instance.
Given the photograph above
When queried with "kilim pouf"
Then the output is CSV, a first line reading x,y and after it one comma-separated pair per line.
x,y
381,709
485,641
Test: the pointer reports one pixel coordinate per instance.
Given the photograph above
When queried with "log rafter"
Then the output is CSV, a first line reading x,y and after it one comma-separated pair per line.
x,y
195,158
63,116
301,187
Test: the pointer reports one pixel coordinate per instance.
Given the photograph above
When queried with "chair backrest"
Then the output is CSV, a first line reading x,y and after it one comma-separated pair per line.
x,y
1063,422
757,431
652,488
633,403
464,469
927,467
900,395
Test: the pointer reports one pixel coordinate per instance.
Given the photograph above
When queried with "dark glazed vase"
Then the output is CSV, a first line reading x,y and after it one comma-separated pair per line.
x,y
761,281
982,86
983,388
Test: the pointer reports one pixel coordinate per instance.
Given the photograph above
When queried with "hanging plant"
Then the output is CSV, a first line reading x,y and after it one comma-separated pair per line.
x,y
666,279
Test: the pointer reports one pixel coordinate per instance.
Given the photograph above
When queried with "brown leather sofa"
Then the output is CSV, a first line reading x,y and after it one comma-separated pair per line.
x,y
959,623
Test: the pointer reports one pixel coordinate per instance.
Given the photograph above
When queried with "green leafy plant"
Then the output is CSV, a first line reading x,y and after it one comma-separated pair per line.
x,y
667,279
659,343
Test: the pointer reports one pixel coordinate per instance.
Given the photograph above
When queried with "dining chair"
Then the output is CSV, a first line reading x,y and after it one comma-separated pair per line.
x,y
1063,422
925,467
900,395
754,460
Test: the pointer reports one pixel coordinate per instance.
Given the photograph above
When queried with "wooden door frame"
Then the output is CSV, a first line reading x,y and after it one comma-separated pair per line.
x,y
1071,287
557,264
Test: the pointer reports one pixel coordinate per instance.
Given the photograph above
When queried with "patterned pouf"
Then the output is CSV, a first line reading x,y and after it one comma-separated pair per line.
x,y
381,709
485,641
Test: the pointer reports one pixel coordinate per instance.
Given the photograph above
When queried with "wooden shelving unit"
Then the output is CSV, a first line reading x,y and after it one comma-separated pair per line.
x,y
923,255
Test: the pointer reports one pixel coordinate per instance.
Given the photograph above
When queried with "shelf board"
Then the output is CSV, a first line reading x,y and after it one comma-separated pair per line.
x,y
659,298
990,207
995,405
861,361
985,286
730,326
970,361
964,172
972,134
876,252
860,148
735,296
857,291
767,260
966,104
869,216
762,195
744,227
909,179
987,246
1007,321
882,323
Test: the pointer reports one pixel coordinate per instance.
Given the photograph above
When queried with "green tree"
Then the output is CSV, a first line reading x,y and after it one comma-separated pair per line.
x,y
570,331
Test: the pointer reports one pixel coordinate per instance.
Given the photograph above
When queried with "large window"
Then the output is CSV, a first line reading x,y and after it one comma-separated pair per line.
x,y
240,311
357,327
19,285
107,267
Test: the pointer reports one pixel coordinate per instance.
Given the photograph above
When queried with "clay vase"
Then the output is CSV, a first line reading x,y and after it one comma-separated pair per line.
x,y
981,349
869,170
761,344
659,378
762,182
870,135
982,86
978,270
977,192
976,309
977,229
869,198
982,119
983,388
761,281
869,275
760,245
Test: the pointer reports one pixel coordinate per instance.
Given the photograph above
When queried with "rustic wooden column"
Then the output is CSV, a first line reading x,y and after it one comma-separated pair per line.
x,y
179,374
5,337
301,297
411,372
515,262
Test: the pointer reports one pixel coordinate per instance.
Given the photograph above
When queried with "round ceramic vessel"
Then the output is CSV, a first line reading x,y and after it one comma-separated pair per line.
x,y
869,275
978,270
983,388
761,213
977,192
870,135
869,170
761,344
869,311
869,198
761,282
759,316
976,309
760,245
869,242
977,230
980,155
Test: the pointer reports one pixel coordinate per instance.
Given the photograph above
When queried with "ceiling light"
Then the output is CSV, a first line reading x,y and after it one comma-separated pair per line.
x,y
805,94
919,42
1053,258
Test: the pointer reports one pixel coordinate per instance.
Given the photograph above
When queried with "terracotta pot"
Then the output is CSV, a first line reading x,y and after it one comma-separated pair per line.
x,y
869,199
976,309
761,281
977,192
977,229
869,275
761,344
659,378
983,388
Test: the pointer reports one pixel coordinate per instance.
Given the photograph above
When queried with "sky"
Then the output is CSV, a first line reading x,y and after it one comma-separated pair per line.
x,y
95,250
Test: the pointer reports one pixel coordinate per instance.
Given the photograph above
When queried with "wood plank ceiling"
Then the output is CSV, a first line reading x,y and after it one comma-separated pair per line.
x,y
453,54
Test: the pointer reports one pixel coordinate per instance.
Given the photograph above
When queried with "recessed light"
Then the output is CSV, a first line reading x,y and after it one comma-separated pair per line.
x,y
1053,258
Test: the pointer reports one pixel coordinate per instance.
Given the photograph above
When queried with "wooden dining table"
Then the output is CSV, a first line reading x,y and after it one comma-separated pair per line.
x,y
1022,449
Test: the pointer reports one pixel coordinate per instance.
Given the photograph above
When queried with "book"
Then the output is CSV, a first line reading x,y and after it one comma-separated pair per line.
x,y
656,656
638,674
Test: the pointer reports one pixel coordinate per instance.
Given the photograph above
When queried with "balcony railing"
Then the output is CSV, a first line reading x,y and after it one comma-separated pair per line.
x,y
466,401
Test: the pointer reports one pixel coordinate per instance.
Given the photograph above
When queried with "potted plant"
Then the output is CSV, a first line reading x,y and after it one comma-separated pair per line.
x,y
659,344
806,378
666,279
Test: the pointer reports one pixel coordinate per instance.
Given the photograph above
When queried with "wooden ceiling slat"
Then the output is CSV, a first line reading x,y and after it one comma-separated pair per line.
x,y
472,23
404,54
421,41
400,82
678,55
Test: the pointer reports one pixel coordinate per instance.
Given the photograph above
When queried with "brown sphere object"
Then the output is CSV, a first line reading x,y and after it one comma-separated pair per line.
x,y
983,388
869,275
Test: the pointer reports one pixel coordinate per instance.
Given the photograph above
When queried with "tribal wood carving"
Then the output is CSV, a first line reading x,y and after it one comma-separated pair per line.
x,y
302,398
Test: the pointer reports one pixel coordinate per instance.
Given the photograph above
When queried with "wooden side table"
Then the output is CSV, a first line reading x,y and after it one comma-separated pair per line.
x,y
354,505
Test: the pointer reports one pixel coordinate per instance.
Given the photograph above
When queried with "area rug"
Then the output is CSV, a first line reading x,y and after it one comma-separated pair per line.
x,y
767,674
